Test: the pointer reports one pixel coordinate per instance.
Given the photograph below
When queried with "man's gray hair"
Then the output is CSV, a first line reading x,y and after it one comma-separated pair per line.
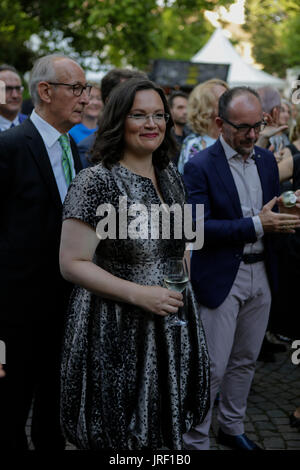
x,y
43,71
270,98
8,68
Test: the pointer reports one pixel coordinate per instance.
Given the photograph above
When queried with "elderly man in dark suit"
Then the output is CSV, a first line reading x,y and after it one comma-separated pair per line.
x,y
235,272
37,163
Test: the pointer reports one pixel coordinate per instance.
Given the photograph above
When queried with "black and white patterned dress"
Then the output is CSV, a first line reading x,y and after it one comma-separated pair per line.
x,y
129,379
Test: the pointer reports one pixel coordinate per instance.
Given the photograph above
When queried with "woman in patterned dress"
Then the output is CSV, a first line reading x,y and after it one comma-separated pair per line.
x,y
130,380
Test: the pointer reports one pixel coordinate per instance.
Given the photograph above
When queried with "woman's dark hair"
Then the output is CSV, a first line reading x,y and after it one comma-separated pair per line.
x,y
109,143
116,76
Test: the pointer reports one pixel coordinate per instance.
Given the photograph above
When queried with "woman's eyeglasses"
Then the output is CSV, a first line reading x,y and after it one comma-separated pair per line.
x,y
156,117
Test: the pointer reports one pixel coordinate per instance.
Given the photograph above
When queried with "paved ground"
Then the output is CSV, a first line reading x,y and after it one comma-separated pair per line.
x,y
274,395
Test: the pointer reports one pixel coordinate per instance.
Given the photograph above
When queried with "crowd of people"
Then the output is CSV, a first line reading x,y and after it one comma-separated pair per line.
x,y
90,310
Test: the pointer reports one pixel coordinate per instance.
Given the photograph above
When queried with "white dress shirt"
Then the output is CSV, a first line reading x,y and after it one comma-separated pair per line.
x,y
249,189
50,137
6,124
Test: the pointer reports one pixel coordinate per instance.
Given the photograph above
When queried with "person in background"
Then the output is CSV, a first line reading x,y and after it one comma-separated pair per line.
x,y
285,320
286,145
287,247
131,379
234,272
271,138
271,105
202,111
10,115
108,82
2,371
289,168
90,117
295,418
294,146
285,113
279,141
294,115
37,163
178,107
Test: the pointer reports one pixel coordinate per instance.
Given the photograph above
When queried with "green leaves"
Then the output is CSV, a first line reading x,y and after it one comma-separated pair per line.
x,y
119,32
274,30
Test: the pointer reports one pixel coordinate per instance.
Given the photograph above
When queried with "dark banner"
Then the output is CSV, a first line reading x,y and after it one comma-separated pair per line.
x,y
183,74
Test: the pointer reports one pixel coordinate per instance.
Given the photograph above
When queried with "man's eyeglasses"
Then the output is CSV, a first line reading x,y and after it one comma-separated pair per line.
x,y
245,128
10,89
77,88
142,118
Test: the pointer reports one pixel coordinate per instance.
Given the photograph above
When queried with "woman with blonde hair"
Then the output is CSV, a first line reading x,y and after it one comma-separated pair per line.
x,y
281,140
202,110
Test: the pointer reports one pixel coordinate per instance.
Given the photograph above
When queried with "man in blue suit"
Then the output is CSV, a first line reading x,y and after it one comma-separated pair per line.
x,y
235,272
10,115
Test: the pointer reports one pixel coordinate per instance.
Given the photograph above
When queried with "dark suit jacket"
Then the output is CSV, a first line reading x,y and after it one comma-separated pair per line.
x,y
209,181
30,228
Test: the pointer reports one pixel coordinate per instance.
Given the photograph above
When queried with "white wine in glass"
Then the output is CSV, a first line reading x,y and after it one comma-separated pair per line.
x,y
176,278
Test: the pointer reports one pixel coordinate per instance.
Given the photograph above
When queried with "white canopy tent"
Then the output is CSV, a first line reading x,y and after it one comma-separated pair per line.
x,y
219,50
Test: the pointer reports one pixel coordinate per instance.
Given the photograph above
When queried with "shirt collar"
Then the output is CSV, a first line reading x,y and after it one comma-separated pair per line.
x,y
230,152
208,140
49,134
6,123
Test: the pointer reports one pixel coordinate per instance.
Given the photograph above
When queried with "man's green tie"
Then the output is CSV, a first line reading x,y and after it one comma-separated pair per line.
x,y
66,157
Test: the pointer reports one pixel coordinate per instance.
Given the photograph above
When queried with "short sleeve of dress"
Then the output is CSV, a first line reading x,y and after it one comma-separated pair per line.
x,y
86,193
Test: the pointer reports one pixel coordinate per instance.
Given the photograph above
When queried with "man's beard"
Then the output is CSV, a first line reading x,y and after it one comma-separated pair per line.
x,y
246,150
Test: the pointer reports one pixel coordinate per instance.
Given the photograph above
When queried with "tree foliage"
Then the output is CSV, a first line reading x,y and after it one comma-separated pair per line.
x,y
182,35
275,34
16,27
119,32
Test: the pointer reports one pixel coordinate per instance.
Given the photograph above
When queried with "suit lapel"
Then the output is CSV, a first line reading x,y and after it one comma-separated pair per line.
x,y
262,171
222,167
76,158
40,155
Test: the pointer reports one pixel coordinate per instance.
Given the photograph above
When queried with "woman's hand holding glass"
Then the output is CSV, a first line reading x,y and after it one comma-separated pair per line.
x,y
159,300
176,278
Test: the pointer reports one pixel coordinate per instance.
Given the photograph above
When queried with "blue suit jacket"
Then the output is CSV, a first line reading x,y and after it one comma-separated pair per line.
x,y
22,117
209,181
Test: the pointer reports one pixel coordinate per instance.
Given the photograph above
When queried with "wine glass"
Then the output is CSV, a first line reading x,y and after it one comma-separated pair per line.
x,y
176,278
